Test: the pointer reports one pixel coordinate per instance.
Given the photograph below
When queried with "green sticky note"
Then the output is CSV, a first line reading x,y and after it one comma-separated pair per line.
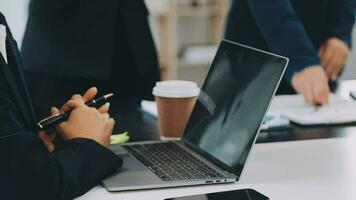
x,y
119,138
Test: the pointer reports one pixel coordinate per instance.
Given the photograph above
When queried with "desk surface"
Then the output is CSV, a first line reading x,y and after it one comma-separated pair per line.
x,y
311,163
311,169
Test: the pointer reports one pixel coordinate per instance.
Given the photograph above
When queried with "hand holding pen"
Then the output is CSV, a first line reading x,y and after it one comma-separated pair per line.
x,y
83,122
54,120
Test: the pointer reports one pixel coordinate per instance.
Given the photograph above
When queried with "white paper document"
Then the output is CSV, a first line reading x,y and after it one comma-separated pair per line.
x,y
274,121
294,108
150,107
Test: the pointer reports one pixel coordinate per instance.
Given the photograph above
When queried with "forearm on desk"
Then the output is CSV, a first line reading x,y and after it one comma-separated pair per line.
x,y
31,172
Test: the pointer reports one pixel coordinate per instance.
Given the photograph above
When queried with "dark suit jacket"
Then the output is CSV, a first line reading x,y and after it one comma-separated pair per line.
x,y
100,40
27,169
293,28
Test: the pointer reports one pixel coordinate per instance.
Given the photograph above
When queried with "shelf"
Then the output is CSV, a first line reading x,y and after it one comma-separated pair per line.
x,y
167,14
202,11
160,14
185,64
186,11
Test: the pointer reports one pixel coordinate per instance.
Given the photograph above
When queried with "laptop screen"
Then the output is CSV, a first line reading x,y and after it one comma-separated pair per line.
x,y
233,101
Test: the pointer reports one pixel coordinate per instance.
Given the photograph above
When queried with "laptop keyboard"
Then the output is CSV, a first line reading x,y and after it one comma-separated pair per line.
x,y
170,162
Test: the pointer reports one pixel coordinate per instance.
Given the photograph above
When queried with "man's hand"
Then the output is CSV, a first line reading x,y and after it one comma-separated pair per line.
x,y
88,95
312,83
333,54
86,122
48,136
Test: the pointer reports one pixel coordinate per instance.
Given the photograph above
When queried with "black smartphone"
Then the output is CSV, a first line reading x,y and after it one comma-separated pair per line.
x,y
243,194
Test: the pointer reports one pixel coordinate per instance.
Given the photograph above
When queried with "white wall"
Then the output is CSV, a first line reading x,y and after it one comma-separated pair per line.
x,y
15,12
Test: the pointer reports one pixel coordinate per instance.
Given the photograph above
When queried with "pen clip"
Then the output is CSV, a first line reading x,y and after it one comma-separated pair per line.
x,y
39,124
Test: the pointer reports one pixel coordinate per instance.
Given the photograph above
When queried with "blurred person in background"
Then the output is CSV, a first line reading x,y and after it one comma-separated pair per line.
x,y
72,45
315,35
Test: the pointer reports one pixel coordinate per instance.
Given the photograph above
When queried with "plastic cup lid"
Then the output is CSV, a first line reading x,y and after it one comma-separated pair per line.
x,y
176,89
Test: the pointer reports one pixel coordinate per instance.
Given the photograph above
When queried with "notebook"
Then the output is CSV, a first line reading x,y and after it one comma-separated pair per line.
x,y
294,108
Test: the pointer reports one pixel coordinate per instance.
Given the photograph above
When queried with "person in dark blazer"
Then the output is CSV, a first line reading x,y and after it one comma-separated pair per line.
x,y
28,170
314,35
83,43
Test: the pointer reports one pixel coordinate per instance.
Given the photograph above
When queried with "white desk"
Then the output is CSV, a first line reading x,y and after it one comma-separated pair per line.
x,y
310,169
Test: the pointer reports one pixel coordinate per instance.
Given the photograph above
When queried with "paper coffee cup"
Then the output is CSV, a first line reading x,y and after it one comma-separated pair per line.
x,y
175,101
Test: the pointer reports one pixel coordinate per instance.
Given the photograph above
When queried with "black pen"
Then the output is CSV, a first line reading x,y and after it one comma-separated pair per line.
x,y
56,119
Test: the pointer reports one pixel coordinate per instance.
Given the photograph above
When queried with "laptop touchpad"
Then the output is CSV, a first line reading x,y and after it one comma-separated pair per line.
x,y
131,164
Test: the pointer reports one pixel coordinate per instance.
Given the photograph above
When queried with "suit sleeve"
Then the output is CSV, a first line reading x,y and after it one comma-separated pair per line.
x,y
29,171
83,164
284,33
341,18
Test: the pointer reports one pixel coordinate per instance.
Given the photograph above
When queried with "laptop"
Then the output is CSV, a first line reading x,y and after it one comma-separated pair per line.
x,y
220,132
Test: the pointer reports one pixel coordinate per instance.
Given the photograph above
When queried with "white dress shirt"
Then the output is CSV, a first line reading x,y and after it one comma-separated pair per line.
x,y
3,41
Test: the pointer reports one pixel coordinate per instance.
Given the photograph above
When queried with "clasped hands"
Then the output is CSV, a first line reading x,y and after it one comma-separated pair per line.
x,y
83,122
312,82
